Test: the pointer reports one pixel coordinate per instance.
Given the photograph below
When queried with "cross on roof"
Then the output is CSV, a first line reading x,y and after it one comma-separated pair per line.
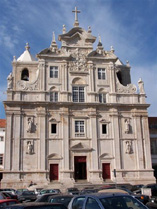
x,y
76,17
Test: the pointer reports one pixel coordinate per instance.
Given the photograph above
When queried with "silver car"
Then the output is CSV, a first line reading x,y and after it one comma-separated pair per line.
x,y
105,201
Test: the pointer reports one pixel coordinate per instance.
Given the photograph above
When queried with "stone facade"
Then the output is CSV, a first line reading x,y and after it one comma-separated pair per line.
x,y
74,115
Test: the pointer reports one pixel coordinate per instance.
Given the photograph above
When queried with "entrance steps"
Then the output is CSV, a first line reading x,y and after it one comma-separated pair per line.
x,y
81,184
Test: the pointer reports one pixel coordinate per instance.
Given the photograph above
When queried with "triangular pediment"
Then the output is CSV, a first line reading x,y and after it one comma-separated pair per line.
x,y
80,147
106,156
54,156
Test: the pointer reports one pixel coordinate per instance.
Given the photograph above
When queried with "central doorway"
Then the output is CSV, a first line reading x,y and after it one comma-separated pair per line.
x,y
80,172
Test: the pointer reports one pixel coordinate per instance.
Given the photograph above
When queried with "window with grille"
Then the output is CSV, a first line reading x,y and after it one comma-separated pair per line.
x,y
54,96
53,128
101,73
79,128
1,159
53,72
104,129
102,98
78,94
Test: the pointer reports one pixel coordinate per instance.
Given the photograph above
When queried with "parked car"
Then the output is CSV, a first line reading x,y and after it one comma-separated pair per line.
x,y
63,199
153,188
9,195
37,190
143,198
88,191
8,190
46,191
73,191
136,187
44,197
6,202
19,191
105,201
37,205
27,196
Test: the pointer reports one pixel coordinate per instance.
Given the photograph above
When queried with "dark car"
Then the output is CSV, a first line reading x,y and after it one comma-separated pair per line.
x,y
88,191
136,187
44,197
143,198
27,196
63,199
105,201
37,205
73,191
153,188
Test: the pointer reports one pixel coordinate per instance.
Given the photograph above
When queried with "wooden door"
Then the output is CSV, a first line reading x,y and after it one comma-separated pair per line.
x,y
106,171
80,167
53,172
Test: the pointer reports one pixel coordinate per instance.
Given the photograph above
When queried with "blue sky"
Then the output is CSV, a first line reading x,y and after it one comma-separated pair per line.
x,y
130,26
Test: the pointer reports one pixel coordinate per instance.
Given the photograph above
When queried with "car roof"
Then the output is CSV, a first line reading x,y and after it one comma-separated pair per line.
x,y
37,203
104,195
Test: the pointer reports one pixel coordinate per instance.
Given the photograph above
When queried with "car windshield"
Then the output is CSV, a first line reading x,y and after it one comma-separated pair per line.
x,y
119,202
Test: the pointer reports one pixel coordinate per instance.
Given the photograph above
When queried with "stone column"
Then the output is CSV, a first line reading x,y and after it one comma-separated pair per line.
x,y
42,74
42,135
94,170
66,173
112,83
116,142
8,142
139,137
16,142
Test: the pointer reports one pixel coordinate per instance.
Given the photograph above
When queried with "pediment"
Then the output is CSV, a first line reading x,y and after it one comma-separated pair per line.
x,y
81,147
106,156
54,156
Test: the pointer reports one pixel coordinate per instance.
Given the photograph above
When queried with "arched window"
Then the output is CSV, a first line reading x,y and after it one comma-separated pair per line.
x,y
25,75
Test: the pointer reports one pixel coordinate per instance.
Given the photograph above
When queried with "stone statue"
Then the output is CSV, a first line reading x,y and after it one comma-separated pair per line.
x,y
127,126
10,81
29,147
141,86
30,123
128,147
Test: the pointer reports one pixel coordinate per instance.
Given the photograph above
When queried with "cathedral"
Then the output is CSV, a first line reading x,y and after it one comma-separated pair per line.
x,y
73,115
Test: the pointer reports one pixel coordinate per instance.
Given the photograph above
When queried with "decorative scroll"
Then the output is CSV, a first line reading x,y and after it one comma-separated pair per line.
x,y
130,88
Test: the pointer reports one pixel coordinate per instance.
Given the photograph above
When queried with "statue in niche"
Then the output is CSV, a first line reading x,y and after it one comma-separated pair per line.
x,y
30,148
127,126
30,124
141,86
128,147
10,81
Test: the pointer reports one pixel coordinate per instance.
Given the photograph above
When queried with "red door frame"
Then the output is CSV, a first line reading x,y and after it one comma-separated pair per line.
x,y
53,172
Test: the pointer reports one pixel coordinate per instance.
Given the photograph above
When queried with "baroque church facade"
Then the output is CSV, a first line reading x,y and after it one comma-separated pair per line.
x,y
73,114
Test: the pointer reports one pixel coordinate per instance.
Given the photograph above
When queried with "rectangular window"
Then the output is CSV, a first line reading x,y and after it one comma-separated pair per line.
x,y
53,72
1,159
53,128
79,128
78,94
102,98
153,143
104,129
101,73
54,96
1,138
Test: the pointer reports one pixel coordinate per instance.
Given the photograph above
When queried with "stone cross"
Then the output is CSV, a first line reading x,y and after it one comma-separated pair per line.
x,y
76,17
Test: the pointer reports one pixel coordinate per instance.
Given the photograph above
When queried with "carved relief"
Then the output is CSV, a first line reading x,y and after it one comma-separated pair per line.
x,y
30,148
10,81
129,149
31,127
79,62
130,88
